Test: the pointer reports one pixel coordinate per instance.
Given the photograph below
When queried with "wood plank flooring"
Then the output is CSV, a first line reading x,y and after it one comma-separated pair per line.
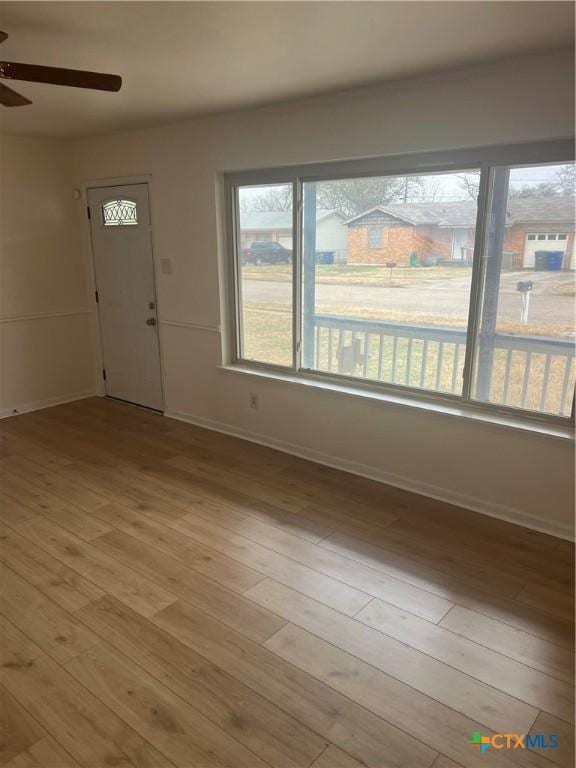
x,y
174,597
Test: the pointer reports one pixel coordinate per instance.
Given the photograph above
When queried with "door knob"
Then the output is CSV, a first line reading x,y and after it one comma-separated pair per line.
x,y
151,321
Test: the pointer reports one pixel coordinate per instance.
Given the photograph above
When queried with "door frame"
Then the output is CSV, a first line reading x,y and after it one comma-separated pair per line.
x,y
88,248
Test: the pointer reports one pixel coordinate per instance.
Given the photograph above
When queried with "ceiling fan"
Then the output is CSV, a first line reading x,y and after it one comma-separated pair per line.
x,y
76,78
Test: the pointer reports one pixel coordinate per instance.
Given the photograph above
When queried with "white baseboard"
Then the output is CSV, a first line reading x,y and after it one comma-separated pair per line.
x,y
39,404
499,511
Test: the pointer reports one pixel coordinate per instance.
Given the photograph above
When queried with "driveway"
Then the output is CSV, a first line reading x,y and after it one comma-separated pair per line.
x,y
445,298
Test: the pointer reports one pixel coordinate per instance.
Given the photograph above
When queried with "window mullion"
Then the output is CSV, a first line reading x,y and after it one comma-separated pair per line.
x,y
297,274
475,308
237,282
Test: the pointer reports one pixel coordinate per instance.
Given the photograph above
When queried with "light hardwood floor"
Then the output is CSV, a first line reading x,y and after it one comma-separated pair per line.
x,y
176,597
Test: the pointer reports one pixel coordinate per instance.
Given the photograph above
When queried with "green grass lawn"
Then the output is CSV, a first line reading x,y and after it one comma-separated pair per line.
x,y
358,274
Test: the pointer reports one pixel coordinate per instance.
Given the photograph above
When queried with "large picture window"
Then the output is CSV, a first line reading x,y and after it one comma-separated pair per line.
x,y
451,283
395,312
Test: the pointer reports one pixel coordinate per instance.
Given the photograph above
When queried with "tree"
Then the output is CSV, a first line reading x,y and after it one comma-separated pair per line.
x,y
566,179
562,185
543,189
470,184
354,196
277,198
429,190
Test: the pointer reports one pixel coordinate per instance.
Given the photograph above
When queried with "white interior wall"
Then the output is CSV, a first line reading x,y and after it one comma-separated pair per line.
x,y
46,318
519,475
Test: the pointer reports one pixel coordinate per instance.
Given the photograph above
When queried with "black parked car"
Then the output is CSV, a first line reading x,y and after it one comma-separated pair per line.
x,y
266,252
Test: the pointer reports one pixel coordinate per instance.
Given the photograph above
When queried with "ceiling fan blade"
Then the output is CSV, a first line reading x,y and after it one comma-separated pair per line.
x,y
9,98
3,36
76,78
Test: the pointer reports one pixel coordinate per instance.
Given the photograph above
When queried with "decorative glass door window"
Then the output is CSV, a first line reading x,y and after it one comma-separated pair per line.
x,y
119,213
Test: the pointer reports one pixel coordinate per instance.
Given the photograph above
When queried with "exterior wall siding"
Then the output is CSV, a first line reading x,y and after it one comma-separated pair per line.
x,y
431,241
248,236
332,235
514,241
396,245
398,242
570,258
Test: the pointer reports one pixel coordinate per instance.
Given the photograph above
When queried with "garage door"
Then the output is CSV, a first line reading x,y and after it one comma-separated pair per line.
x,y
543,241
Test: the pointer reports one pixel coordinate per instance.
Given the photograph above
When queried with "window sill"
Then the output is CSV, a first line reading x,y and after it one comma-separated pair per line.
x,y
459,410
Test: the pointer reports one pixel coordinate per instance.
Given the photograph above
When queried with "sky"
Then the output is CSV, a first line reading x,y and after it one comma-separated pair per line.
x,y
448,186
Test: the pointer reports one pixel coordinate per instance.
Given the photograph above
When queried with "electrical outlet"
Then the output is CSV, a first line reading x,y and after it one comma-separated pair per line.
x,y
253,398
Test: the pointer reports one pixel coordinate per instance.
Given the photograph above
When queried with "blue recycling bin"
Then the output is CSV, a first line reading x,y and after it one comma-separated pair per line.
x,y
325,257
555,260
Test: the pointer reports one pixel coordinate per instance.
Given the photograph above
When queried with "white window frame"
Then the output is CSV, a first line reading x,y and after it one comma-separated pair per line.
x,y
483,158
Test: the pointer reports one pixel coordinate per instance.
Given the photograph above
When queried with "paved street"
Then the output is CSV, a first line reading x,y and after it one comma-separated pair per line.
x,y
446,298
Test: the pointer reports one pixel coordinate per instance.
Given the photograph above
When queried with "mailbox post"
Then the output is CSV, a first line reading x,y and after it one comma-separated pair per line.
x,y
524,288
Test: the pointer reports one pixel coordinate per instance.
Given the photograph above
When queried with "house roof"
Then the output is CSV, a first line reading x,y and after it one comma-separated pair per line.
x,y
273,220
542,209
557,210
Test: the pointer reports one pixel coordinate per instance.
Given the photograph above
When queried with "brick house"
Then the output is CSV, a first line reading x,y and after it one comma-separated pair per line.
x,y
445,232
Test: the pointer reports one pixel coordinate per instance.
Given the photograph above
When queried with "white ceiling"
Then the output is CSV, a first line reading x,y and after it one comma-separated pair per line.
x,y
180,59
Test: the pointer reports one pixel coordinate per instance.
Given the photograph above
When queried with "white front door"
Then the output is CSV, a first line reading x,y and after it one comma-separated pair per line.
x,y
124,268
460,243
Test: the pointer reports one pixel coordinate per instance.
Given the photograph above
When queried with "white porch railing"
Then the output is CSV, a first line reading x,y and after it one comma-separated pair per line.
x,y
533,372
